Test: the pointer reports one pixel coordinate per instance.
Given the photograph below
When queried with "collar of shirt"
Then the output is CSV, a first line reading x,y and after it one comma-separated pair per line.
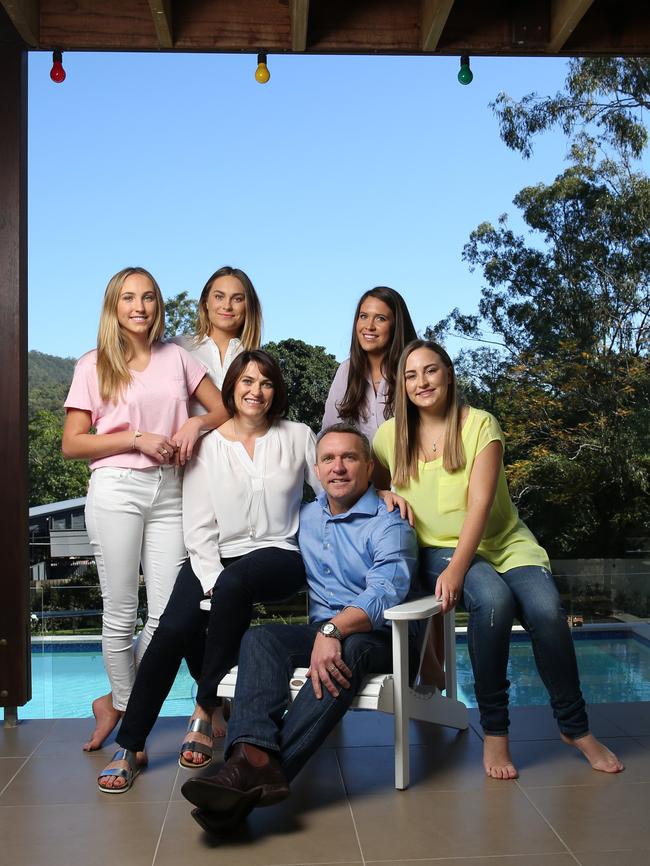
x,y
367,504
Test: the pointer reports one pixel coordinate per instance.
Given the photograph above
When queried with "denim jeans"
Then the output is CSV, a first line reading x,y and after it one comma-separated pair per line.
x,y
263,713
264,575
493,601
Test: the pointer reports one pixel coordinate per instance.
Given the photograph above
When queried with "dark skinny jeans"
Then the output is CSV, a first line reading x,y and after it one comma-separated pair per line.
x,y
266,575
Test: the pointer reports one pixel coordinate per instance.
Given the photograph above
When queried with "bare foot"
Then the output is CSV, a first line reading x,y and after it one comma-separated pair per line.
x,y
598,755
219,724
497,759
106,718
120,781
198,759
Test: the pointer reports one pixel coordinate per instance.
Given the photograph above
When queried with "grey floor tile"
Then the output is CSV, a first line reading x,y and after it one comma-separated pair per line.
x,y
313,826
63,835
632,718
422,824
555,859
54,779
8,769
551,762
597,818
19,742
451,764
615,858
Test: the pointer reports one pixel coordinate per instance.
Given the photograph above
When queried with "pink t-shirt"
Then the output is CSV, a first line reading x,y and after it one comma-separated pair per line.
x,y
156,401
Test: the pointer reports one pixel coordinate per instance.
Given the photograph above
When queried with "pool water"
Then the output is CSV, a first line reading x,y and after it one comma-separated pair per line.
x,y
614,667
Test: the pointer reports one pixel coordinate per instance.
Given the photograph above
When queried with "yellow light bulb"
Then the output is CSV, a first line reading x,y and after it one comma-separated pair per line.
x,y
262,73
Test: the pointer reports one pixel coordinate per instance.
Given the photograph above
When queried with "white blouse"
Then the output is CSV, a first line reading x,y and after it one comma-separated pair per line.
x,y
233,505
207,352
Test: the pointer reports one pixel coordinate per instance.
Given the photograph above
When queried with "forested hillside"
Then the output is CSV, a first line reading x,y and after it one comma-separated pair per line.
x,y
48,379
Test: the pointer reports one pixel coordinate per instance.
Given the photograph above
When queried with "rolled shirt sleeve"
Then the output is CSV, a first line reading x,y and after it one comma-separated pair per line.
x,y
388,580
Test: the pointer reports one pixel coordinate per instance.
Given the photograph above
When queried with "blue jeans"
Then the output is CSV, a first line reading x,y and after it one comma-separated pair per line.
x,y
263,713
493,601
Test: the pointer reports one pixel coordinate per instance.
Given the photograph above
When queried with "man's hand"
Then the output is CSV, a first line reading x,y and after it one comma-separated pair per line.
x,y
326,667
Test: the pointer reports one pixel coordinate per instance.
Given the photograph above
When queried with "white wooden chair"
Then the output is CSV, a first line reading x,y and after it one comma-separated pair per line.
x,y
390,693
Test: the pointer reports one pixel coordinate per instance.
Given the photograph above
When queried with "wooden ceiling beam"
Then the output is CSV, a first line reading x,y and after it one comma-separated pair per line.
x,y
161,12
433,17
565,17
25,16
299,11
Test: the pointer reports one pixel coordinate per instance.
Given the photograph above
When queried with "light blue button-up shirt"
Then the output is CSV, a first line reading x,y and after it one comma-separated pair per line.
x,y
362,558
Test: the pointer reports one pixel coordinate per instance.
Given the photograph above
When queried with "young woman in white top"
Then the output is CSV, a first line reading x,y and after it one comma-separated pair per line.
x,y
363,389
229,321
241,501
135,391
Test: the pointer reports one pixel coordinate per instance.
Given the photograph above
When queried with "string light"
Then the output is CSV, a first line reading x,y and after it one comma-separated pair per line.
x,y
57,72
262,73
465,76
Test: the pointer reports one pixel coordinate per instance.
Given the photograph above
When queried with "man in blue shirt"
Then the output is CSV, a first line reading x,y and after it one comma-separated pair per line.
x,y
359,558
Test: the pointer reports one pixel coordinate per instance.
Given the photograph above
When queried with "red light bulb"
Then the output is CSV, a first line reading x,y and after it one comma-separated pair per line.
x,y
57,72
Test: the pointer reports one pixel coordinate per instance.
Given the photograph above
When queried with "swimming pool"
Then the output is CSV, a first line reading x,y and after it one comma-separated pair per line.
x,y
614,667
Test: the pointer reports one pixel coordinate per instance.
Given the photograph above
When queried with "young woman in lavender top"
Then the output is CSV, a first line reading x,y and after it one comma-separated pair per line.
x,y
363,390
134,390
241,500
229,321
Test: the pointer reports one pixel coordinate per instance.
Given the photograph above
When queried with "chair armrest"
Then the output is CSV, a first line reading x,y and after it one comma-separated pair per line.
x,y
419,608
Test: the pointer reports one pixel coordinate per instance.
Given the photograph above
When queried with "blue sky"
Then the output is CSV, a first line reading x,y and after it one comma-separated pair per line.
x,y
339,174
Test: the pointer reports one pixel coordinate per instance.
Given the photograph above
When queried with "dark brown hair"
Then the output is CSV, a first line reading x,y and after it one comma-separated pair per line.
x,y
269,368
353,406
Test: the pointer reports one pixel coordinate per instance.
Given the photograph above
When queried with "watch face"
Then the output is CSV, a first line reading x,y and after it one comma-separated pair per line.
x,y
328,628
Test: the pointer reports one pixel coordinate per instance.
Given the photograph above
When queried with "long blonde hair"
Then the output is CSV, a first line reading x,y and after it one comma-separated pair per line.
x,y
251,334
407,421
113,348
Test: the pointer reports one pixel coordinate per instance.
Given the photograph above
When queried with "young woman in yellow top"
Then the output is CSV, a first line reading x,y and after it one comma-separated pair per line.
x,y
447,461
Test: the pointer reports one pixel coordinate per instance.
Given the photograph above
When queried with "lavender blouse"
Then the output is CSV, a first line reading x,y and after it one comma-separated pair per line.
x,y
374,402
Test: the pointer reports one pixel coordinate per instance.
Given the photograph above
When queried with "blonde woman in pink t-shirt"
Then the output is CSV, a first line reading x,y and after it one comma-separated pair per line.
x,y
135,391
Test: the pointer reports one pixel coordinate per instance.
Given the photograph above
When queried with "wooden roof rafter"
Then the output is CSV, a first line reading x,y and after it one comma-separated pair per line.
x,y
433,19
565,17
161,12
299,12
25,15
442,27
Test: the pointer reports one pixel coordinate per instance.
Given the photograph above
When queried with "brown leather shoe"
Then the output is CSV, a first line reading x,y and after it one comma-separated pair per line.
x,y
238,785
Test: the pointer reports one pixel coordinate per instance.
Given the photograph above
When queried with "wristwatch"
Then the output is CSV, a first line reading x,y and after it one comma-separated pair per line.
x,y
330,630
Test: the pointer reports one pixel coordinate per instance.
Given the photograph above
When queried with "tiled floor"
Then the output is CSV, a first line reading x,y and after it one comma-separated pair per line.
x,y
343,809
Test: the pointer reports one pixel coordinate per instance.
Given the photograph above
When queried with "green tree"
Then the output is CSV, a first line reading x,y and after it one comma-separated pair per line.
x,y
180,315
51,477
600,102
569,308
308,372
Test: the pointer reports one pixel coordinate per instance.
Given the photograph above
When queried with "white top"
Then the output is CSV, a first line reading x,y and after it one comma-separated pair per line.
x,y
233,505
207,352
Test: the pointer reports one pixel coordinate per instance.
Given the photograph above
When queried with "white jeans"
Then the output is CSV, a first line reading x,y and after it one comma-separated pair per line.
x,y
133,517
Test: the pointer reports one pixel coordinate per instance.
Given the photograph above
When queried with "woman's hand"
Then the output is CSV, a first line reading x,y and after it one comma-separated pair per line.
x,y
392,500
449,587
186,438
154,445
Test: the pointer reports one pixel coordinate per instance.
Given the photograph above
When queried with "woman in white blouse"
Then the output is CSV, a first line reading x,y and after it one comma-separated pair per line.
x,y
229,321
241,501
